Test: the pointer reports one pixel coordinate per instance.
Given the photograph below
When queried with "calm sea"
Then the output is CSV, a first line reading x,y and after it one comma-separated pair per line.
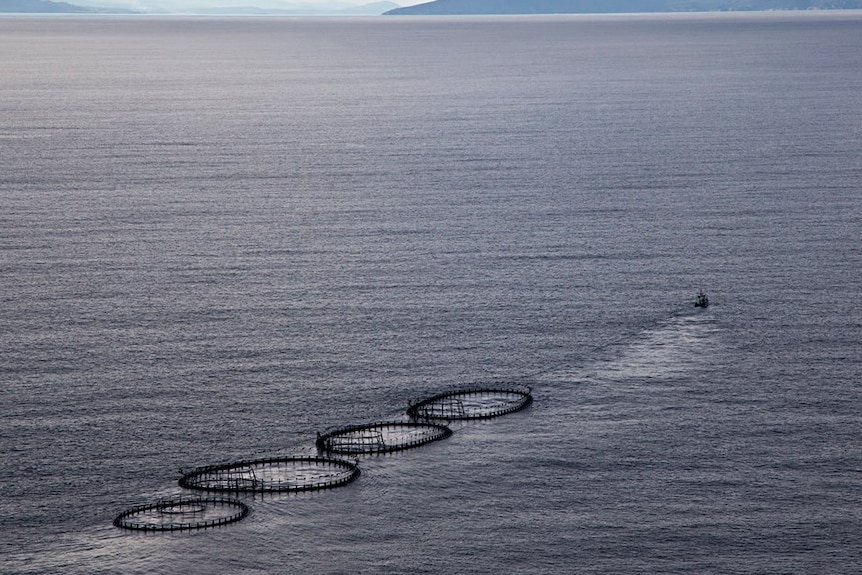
x,y
220,236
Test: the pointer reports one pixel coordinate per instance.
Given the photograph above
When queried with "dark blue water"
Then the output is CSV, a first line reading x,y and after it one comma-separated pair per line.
x,y
221,236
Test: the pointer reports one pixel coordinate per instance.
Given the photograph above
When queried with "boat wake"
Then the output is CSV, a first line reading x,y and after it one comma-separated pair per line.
x,y
668,351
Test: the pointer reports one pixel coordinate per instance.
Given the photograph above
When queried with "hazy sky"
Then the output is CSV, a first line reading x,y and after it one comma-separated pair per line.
x,y
361,2
181,5
323,4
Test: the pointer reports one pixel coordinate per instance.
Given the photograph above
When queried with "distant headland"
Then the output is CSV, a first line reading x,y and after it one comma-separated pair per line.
x,y
48,7
215,7
459,7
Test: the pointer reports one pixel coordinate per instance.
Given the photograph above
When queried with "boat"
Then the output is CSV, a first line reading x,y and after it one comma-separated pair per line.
x,y
701,300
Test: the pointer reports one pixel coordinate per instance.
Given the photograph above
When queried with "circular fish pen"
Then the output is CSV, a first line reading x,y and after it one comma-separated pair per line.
x,y
381,437
472,403
272,475
182,514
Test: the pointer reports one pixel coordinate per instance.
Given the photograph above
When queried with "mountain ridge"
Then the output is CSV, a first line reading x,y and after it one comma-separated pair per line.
x,y
98,7
464,7
43,7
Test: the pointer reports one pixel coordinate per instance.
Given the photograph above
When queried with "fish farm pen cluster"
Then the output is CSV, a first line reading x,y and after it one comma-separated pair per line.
x,y
297,474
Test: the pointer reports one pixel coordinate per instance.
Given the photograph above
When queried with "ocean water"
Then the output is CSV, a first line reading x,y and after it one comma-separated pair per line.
x,y
220,236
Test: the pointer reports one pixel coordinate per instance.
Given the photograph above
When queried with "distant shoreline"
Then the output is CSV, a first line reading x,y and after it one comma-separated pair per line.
x,y
464,8
525,7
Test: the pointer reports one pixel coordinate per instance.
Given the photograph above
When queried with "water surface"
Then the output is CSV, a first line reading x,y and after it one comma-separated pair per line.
x,y
219,236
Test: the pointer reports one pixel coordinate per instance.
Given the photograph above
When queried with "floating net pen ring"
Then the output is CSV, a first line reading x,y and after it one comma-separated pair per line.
x,y
182,514
272,475
381,437
472,403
